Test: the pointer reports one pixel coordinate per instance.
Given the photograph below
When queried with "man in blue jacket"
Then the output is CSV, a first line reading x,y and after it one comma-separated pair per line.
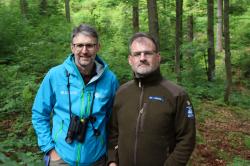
x,y
79,95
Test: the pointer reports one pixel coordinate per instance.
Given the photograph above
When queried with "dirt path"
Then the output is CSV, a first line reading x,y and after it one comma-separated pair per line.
x,y
223,134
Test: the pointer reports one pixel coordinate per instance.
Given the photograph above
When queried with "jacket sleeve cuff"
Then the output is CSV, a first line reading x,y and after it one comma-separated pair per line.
x,y
112,156
48,147
170,161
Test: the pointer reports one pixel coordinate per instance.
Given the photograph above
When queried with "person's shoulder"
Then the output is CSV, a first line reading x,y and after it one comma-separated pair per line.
x,y
110,73
172,87
57,68
125,86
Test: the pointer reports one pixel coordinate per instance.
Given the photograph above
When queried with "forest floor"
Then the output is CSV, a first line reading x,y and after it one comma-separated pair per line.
x,y
223,136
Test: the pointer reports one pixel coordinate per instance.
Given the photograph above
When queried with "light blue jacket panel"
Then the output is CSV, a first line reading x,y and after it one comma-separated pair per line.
x,y
53,97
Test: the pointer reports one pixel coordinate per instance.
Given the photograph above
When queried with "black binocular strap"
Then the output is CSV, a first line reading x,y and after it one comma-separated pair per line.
x,y
68,86
92,119
96,132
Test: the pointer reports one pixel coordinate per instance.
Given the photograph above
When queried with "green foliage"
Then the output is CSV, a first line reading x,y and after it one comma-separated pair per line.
x,y
238,161
21,140
240,99
30,45
247,141
237,9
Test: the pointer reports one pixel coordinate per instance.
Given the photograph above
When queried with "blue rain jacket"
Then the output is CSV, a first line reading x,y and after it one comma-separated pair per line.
x,y
53,97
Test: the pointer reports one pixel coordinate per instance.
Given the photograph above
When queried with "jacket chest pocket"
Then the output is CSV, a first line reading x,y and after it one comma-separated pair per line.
x,y
64,96
157,117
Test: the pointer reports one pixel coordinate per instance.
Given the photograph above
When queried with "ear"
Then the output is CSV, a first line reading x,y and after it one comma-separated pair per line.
x,y
129,60
98,46
72,48
159,57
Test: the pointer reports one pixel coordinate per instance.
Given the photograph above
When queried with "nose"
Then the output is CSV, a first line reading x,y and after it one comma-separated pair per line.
x,y
142,56
84,49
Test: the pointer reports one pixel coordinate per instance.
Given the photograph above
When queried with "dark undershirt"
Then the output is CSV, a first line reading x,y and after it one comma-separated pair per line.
x,y
87,78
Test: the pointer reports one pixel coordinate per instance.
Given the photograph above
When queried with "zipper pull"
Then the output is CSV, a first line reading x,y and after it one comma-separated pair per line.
x,y
140,84
141,111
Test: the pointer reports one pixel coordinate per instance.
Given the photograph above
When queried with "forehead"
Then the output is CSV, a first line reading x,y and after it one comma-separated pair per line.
x,y
142,43
80,37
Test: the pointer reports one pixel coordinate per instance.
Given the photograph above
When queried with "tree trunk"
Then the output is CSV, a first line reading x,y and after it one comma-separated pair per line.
x,y
190,36
210,36
43,7
219,46
67,10
190,28
24,8
153,19
227,53
136,16
178,39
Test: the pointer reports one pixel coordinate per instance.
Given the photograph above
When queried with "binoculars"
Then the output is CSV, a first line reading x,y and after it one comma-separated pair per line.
x,y
77,129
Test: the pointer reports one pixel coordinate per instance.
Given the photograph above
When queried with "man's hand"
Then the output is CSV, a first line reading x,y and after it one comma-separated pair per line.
x,y
113,164
53,155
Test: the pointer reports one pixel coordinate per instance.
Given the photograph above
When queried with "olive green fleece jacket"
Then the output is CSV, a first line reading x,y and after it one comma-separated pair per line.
x,y
152,124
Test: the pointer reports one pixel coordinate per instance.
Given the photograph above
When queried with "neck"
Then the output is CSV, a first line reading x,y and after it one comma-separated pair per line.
x,y
151,78
85,70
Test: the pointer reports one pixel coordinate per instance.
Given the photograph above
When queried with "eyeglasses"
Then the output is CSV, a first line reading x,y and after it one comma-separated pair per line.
x,y
80,46
146,53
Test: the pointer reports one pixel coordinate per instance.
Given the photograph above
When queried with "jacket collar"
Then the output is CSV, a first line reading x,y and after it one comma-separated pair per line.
x,y
150,79
71,67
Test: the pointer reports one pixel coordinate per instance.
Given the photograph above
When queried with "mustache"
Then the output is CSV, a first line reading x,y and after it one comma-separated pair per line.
x,y
143,63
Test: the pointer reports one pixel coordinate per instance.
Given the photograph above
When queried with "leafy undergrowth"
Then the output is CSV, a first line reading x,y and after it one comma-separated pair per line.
x,y
18,142
223,136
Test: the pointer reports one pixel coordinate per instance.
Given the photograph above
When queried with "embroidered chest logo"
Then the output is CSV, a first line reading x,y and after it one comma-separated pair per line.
x,y
157,98
65,92
189,110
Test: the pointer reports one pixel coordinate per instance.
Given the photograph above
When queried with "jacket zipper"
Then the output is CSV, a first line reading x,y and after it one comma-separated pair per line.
x,y
79,147
59,131
88,104
138,121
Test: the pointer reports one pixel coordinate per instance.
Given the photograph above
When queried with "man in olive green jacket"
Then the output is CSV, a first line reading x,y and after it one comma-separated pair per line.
x,y
152,123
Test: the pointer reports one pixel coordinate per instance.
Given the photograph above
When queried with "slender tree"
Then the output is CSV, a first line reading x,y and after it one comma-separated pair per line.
x,y
43,7
136,15
210,36
153,19
219,46
178,39
190,25
227,53
24,8
67,10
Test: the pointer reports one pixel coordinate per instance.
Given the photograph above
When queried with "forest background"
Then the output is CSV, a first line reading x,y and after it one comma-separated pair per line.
x,y
205,47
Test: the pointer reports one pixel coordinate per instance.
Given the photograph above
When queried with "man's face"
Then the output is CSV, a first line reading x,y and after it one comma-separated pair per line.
x,y
143,58
84,48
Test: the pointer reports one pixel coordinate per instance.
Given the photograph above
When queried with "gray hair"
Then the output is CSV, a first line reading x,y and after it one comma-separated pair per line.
x,y
145,35
85,30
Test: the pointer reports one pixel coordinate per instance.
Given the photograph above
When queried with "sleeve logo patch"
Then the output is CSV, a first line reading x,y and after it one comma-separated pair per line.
x,y
156,98
189,110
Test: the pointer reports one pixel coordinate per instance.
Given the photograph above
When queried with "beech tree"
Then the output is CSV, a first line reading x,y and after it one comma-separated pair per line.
x,y
43,6
227,53
67,10
190,25
24,8
135,16
153,19
219,46
210,37
178,39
